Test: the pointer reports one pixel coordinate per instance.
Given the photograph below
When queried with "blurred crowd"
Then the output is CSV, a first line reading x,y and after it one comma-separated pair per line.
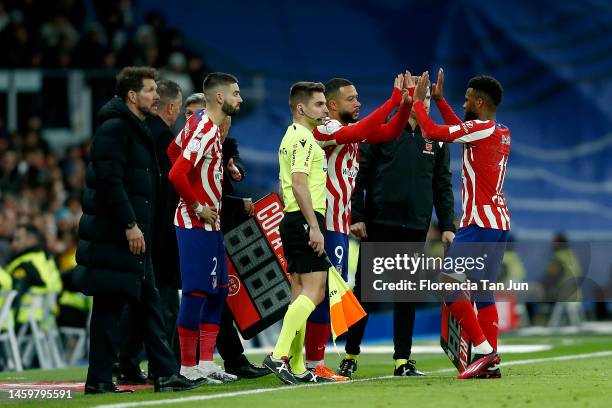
x,y
94,34
41,187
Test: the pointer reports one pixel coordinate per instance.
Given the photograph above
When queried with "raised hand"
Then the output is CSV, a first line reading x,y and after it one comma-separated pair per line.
x,y
420,92
408,80
437,89
399,82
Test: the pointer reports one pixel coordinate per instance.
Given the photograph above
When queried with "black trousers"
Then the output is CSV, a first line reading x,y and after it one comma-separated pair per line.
x,y
105,332
169,303
403,312
229,345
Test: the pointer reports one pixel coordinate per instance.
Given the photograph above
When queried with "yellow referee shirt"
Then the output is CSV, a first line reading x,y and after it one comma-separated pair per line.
x,y
300,153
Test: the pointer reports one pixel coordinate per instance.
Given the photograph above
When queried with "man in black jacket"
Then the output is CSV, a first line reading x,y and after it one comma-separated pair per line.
x,y
165,250
116,234
398,185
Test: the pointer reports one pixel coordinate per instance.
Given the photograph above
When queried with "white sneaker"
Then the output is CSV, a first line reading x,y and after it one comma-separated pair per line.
x,y
194,373
210,370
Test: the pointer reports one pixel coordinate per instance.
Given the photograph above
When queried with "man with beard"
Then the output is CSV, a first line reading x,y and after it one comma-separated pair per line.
x,y
485,224
116,234
235,211
403,181
341,144
197,177
165,251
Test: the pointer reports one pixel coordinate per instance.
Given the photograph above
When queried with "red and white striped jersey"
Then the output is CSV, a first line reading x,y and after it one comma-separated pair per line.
x,y
341,145
342,169
486,147
200,141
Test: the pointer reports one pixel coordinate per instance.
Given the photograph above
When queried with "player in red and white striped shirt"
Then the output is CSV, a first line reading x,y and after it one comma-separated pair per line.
x,y
197,177
340,137
486,219
486,147
202,153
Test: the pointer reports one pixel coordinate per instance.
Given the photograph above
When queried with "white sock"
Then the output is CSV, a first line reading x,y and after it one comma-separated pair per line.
x,y
207,365
313,364
483,348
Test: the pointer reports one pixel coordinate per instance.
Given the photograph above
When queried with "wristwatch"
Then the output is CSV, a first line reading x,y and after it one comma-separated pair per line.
x,y
130,225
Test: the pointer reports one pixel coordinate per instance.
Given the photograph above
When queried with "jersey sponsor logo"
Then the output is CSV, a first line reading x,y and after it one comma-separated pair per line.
x,y
505,139
351,173
194,145
303,142
308,154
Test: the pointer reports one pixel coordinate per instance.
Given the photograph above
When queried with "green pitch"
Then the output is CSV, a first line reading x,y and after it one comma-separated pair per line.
x,y
575,372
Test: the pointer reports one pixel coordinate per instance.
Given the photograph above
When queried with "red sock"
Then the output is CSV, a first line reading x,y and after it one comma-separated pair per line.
x,y
488,319
464,313
208,339
316,338
188,340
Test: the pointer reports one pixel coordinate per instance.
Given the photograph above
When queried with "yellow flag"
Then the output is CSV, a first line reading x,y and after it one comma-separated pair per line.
x,y
344,308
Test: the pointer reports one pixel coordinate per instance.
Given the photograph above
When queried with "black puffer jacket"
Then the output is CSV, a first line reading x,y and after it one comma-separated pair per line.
x,y
121,186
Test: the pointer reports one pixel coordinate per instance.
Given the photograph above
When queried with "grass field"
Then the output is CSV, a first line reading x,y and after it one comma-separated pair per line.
x,y
575,372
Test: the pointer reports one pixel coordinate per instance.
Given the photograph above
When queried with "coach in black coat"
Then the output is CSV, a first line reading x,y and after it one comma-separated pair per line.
x,y
121,187
116,232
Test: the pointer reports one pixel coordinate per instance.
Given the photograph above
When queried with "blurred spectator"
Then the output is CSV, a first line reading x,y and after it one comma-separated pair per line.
x,y
562,272
29,268
91,49
512,267
176,71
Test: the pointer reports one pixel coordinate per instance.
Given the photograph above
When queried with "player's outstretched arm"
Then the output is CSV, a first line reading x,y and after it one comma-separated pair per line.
x,y
468,132
437,93
335,134
396,125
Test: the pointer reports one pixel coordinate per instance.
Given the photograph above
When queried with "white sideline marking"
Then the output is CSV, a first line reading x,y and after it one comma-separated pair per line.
x,y
386,377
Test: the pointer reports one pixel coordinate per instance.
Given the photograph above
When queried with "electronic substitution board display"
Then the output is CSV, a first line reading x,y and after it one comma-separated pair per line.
x,y
259,286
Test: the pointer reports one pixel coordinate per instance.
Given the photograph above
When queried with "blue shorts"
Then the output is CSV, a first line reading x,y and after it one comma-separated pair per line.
x,y
336,247
202,260
486,244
